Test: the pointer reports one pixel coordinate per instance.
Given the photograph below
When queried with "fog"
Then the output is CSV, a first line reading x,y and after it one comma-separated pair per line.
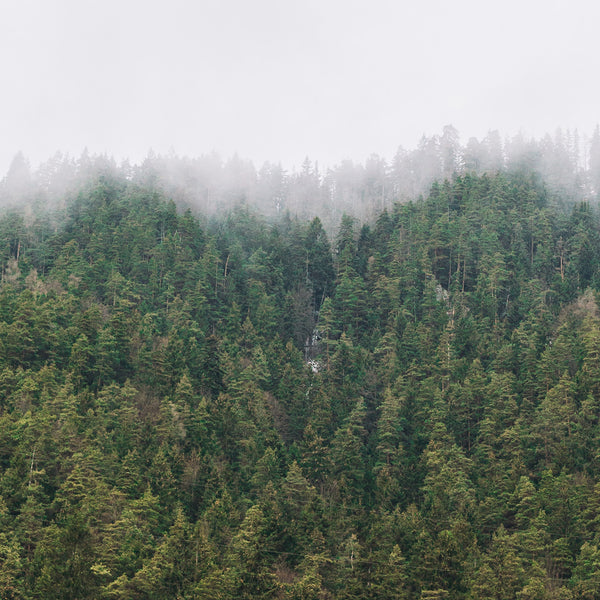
x,y
567,162
279,81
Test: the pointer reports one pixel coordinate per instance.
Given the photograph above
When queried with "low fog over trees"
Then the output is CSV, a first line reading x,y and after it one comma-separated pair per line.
x,y
567,162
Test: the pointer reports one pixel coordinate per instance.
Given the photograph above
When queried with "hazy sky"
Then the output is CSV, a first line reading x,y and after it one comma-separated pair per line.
x,y
279,80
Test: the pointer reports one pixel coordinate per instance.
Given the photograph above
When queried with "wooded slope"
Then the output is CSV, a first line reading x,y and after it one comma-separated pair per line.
x,y
164,435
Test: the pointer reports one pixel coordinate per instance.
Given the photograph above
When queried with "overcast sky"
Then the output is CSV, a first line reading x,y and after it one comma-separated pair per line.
x,y
279,80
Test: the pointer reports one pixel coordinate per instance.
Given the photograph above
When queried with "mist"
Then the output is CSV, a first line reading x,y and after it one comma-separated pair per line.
x,y
277,82
566,161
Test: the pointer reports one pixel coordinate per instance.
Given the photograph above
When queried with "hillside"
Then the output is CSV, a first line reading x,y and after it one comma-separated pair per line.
x,y
237,406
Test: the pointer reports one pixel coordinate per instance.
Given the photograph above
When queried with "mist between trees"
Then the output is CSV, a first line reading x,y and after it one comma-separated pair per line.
x,y
567,162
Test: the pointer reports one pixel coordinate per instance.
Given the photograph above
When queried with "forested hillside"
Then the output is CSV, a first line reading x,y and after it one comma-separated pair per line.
x,y
240,407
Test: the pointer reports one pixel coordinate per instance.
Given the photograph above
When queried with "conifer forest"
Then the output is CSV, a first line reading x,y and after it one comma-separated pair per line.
x,y
383,382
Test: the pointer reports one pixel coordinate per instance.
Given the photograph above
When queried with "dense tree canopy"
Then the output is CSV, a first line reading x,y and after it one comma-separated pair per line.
x,y
245,406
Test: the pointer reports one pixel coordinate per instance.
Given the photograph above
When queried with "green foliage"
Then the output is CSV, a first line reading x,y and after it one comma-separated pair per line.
x,y
230,409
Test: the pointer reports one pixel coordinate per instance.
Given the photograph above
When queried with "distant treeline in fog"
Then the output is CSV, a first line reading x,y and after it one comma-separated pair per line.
x,y
567,162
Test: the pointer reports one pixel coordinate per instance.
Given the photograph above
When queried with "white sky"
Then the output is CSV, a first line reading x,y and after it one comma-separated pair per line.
x,y
280,80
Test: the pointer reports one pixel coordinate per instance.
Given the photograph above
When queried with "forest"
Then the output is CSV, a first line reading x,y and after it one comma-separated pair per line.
x,y
245,404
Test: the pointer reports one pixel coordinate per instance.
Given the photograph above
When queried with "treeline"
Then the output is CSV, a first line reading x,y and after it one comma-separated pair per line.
x,y
567,162
244,408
